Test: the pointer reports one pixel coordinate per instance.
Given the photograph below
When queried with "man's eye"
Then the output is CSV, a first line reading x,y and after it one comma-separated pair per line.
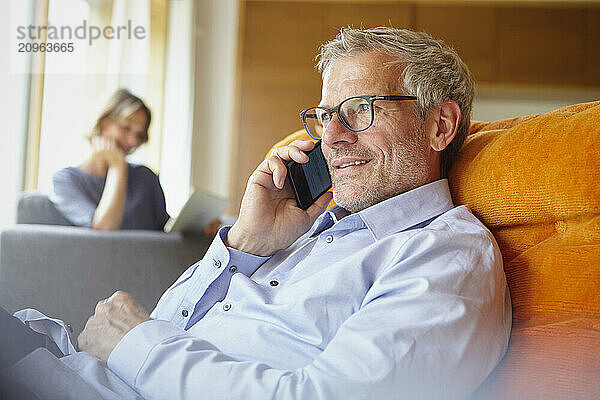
x,y
364,107
325,117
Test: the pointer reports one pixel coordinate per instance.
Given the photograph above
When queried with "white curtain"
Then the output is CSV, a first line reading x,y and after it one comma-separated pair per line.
x,y
128,60
176,149
13,81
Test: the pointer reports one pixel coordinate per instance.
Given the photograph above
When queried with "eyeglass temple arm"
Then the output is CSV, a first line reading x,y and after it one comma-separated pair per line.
x,y
394,97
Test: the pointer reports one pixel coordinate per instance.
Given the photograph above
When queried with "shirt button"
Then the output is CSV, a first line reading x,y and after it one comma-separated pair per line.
x,y
217,264
329,239
232,269
226,307
185,313
273,283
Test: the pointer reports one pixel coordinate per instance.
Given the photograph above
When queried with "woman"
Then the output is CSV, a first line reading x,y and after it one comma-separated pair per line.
x,y
106,192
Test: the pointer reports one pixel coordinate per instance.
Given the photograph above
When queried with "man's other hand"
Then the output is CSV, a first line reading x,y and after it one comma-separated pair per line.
x,y
270,219
112,319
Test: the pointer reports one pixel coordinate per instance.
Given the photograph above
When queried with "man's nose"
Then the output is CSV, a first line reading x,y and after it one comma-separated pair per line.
x,y
336,133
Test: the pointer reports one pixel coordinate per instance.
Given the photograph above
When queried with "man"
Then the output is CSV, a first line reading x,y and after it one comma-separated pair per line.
x,y
394,293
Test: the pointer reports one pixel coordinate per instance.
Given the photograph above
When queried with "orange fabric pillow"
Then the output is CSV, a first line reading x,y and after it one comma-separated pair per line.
x,y
534,182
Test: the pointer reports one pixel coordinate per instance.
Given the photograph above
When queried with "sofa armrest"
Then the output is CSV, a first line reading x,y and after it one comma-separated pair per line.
x,y
63,271
36,208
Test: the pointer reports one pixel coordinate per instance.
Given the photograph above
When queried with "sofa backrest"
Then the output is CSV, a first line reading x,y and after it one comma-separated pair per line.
x,y
36,208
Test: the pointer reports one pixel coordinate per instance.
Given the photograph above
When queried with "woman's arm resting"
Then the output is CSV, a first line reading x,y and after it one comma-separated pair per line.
x,y
110,210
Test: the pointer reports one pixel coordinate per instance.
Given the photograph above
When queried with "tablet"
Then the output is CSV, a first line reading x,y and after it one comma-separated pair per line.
x,y
199,210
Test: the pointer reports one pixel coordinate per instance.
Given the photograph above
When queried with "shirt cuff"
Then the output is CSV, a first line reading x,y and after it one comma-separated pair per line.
x,y
128,357
249,262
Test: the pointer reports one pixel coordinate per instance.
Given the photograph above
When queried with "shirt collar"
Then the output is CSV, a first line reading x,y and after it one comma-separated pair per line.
x,y
395,214
408,209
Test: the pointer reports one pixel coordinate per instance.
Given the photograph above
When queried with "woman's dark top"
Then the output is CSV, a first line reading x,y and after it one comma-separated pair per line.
x,y
77,194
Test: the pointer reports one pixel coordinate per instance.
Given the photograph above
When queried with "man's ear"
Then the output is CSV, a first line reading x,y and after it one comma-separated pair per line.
x,y
447,125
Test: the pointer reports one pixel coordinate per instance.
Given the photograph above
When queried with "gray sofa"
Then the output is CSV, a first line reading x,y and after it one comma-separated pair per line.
x,y
64,270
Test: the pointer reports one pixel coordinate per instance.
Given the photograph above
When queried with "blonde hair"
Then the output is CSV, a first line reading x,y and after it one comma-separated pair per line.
x,y
119,107
431,71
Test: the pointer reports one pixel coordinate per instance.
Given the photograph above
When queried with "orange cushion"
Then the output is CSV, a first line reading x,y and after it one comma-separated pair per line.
x,y
534,182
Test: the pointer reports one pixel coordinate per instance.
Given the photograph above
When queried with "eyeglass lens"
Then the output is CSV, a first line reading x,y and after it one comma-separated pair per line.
x,y
355,112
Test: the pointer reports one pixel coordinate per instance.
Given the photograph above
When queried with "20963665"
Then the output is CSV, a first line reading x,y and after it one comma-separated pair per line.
x,y
45,47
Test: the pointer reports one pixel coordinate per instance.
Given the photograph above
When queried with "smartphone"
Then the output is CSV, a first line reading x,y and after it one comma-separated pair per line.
x,y
311,179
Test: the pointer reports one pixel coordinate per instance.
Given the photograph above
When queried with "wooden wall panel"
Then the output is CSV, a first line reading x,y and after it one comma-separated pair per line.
x,y
471,31
337,15
541,45
278,77
593,47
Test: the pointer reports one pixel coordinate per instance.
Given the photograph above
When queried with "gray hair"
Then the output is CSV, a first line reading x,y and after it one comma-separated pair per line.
x,y
119,107
432,71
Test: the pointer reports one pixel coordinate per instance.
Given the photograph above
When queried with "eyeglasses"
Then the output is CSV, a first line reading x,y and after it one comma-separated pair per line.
x,y
355,113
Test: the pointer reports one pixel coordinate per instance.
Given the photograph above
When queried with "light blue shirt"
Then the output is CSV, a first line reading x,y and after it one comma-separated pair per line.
x,y
405,298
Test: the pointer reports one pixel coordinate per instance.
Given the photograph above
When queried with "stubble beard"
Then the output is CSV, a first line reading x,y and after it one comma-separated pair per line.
x,y
358,193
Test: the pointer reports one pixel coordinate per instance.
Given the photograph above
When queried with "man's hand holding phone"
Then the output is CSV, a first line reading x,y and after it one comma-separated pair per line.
x,y
270,218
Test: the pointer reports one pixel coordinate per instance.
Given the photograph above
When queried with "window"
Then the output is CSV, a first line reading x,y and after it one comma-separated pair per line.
x,y
67,103
76,85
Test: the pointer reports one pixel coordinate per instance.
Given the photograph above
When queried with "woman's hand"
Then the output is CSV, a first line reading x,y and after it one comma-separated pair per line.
x,y
106,152
270,219
111,161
